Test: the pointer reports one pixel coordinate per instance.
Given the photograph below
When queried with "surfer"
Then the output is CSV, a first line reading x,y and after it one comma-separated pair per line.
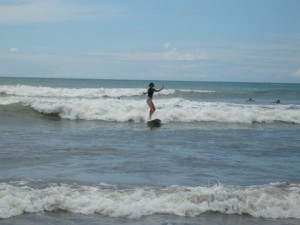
x,y
149,94
250,100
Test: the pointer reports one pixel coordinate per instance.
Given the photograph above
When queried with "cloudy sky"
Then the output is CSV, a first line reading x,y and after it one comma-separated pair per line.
x,y
205,40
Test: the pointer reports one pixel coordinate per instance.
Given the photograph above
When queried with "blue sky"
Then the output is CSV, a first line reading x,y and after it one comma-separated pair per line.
x,y
203,40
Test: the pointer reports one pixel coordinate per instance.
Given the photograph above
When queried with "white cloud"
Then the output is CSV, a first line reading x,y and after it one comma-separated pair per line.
x,y
167,45
49,11
175,55
297,73
13,50
168,54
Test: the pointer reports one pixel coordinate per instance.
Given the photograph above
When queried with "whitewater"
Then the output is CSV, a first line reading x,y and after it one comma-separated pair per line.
x,y
270,201
125,105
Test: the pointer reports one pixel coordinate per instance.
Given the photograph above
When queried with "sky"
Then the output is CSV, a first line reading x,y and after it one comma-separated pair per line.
x,y
195,40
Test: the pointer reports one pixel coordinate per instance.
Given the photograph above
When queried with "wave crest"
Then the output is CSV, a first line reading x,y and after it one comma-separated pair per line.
x,y
168,110
32,91
268,201
105,104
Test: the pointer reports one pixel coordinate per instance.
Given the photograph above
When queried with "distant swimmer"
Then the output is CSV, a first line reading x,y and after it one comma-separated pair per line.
x,y
277,101
149,94
250,100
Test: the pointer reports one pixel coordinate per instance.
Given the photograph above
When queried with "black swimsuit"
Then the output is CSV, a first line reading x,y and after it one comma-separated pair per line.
x,y
150,92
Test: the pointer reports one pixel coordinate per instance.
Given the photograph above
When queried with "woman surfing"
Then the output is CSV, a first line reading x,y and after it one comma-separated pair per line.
x,y
149,94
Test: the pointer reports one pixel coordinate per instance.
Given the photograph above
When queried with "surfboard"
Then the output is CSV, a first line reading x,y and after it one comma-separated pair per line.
x,y
154,123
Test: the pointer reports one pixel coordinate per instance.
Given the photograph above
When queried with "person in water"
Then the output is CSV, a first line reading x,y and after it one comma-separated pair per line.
x,y
149,94
250,100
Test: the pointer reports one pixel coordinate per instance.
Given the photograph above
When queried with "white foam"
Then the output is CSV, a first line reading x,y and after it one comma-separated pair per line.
x,y
196,91
269,201
102,109
177,110
168,110
33,91
93,104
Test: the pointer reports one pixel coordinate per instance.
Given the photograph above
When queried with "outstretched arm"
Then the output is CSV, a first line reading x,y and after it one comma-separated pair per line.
x,y
160,89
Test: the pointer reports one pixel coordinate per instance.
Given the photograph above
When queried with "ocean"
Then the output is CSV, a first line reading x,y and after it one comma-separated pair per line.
x,y
79,151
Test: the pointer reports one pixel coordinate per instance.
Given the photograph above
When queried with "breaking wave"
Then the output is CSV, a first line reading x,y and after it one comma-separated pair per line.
x,y
268,201
107,105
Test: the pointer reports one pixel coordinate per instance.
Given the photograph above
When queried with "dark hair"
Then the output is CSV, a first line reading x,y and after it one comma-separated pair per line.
x,y
151,85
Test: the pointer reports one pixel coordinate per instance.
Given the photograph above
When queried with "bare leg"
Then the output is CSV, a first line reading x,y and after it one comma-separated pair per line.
x,y
152,107
152,110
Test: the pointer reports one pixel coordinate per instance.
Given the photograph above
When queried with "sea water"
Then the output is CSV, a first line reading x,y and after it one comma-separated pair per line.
x,y
77,151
